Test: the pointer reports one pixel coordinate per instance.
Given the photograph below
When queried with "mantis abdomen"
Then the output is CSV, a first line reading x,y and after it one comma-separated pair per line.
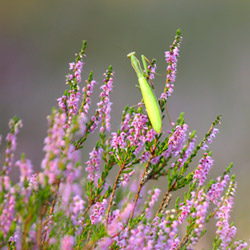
x,y
151,104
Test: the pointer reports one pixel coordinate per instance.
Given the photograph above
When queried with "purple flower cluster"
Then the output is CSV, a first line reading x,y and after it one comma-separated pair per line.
x,y
188,152
152,69
176,141
14,238
225,231
53,146
93,164
203,169
117,220
134,133
26,173
14,126
199,214
77,208
161,234
72,105
26,170
97,212
154,197
216,189
210,138
67,242
125,178
8,212
59,157
104,106
77,70
171,59
87,93
185,209
69,103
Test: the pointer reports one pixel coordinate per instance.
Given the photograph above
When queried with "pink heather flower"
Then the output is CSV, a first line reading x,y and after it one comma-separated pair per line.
x,y
5,182
67,242
48,227
82,119
188,151
53,146
157,235
54,142
8,212
134,135
93,164
77,208
138,132
185,210
154,197
171,59
97,212
114,227
164,96
225,231
79,65
117,219
72,106
155,160
138,129
77,70
176,141
145,157
217,188
71,172
26,169
152,70
137,238
175,243
166,232
150,135
210,139
104,243
78,204
126,212
14,238
71,66
33,184
104,106
118,141
74,97
200,215
203,169
199,205
62,102
65,190
125,124
125,178
68,190
87,92
11,139
239,245
69,103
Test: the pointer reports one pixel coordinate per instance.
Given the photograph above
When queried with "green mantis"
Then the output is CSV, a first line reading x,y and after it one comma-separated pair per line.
x,y
148,95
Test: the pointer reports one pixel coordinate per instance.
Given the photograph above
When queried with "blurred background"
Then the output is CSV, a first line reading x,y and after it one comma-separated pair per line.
x,y
39,38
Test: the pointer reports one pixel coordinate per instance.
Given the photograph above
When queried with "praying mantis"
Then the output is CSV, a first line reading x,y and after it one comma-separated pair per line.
x,y
148,95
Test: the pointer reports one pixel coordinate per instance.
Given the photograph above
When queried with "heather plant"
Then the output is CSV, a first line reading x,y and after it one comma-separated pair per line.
x,y
103,202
